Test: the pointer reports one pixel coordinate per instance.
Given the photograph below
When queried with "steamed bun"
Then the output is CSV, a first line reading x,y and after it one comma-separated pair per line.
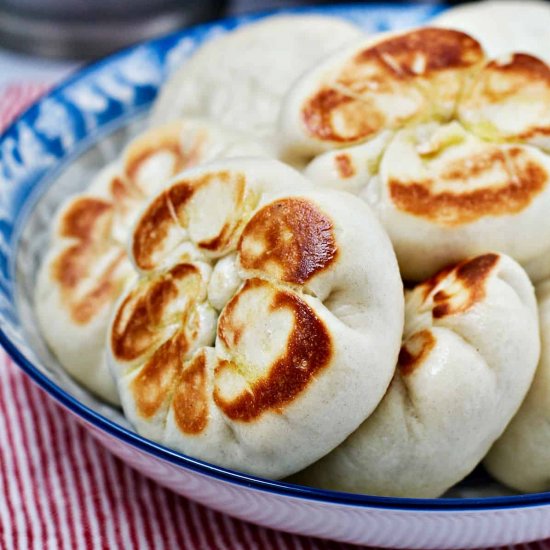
x,y
450,149
521,457
266,321
87,267
470,349
240,78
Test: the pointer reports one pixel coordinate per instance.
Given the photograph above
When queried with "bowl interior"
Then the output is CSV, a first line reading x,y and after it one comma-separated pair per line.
x,y
55,148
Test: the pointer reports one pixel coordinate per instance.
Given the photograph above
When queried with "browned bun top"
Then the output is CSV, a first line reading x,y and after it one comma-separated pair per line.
x,y
190,402
165,140
91,270
308,350
147,311
510,77
348,107
445,199
173,206
415,351
157,377
286,299
87,222
156,324
509,99
522,67
455,289
289,239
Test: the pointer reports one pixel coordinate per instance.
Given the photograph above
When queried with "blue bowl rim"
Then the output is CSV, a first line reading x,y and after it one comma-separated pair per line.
x,y
210,470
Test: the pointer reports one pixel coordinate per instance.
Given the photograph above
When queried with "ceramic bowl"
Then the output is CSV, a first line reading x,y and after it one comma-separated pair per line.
x,y
50,152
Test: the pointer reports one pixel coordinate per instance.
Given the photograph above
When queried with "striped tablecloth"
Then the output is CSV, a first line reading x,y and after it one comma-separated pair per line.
x,y
60,490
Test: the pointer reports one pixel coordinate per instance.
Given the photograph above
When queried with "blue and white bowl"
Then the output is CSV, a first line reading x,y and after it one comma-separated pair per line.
x,y
50,152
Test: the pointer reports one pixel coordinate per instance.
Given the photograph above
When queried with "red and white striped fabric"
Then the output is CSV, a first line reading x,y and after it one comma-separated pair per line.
x,y
60,490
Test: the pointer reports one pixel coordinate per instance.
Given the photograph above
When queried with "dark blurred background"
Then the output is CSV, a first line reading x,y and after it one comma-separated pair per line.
x,y
244,6
84,29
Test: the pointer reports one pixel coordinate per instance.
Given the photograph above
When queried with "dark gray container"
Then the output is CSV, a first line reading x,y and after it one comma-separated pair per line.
x,y
84,29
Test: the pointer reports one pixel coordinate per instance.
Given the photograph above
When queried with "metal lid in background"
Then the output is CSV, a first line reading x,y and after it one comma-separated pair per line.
x,y
84,29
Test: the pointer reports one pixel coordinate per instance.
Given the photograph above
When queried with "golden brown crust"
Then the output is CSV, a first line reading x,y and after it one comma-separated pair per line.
x,y
345,110
73,263
524,67
155,224
360,119
125,194
154,383
88,221
167,140
442,49
229,230
309,350
138,323
415,351
344,165
290,239
522,77
525,180
190,402
455,289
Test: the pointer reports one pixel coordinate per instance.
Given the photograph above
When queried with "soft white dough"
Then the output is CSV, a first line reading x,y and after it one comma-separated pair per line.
x,y
470,349
521,457
503,26
239,79
308,333
224,282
